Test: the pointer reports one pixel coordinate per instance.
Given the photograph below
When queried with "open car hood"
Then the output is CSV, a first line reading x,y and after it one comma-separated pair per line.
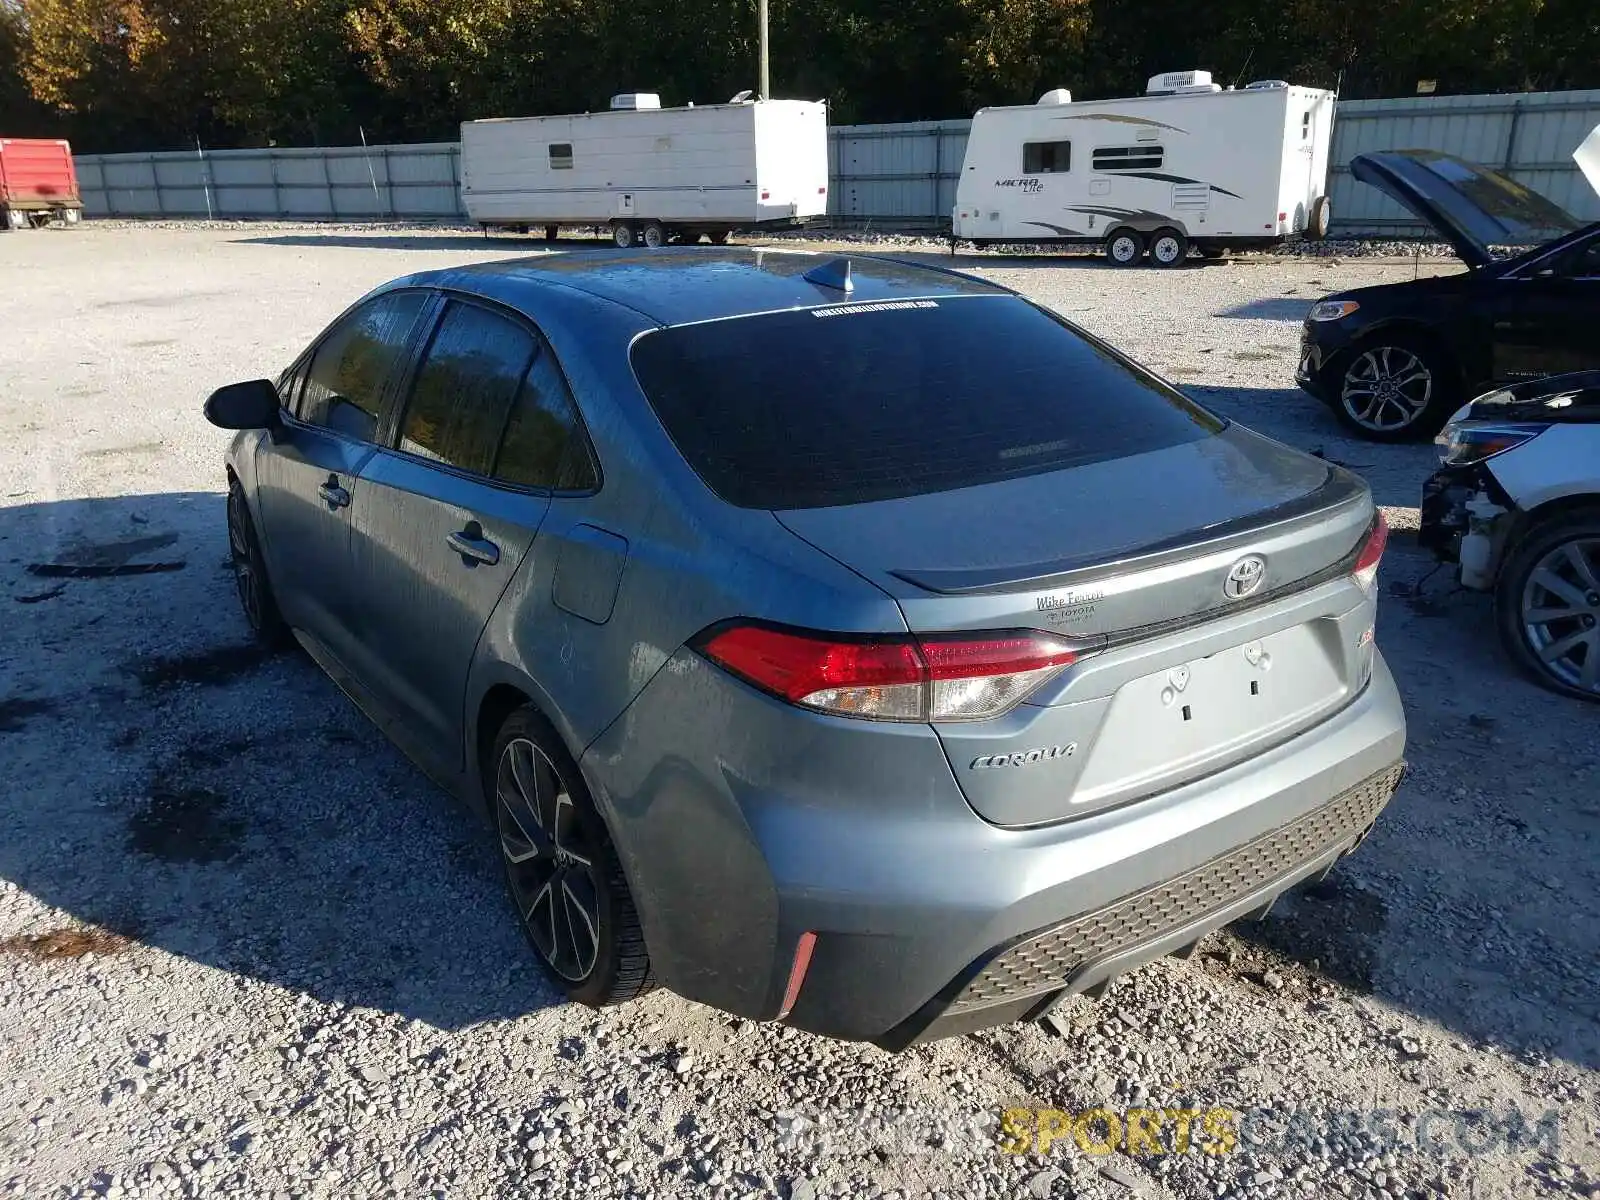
x,y
1471,207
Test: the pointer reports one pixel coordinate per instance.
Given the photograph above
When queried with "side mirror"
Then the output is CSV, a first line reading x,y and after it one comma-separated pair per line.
x,y
251,405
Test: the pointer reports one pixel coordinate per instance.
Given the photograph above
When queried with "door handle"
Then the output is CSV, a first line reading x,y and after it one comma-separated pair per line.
x,y
334,495
471,544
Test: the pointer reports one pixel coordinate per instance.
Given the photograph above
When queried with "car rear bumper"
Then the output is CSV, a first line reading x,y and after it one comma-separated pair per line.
x,y
928,920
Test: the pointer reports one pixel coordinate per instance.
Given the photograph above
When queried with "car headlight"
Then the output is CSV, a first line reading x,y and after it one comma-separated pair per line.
x,y
1331,310
1461,444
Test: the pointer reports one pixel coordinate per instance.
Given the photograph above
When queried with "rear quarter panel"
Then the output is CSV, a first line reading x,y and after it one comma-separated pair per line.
x,y
688,560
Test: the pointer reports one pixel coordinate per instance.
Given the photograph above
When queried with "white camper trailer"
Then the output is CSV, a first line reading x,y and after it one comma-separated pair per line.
x,y
650,173
1188,164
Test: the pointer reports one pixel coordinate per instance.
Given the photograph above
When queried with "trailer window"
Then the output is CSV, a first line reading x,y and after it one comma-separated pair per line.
x,y
1128,158
561,156
1305,125
1046,158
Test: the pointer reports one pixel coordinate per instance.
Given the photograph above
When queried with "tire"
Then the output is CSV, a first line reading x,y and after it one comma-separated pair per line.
x,y
654,235
561,868
719,237
552,232
1423,389
1124,248
1320,219
250,580
1555,569
623,235
1168,248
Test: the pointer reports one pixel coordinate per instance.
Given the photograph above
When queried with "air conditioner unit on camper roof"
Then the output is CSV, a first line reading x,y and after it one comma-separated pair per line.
x,y
1056,96
629,101
1180,81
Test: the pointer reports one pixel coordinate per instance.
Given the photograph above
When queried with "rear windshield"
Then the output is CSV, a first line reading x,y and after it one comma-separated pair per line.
x,y
875,401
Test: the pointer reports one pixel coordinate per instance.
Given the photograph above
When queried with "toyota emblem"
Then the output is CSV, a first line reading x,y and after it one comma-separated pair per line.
x,y
1244,577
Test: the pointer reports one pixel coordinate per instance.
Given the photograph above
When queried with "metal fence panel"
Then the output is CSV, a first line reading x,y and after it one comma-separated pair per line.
x,y
1530,137
895,175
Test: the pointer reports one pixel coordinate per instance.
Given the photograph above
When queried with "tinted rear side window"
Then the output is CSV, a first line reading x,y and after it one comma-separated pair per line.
x,y
545,446
465,387
853,403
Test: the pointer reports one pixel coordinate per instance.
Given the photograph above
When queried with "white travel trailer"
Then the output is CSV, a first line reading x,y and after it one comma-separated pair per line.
x,y
1188,164
650,173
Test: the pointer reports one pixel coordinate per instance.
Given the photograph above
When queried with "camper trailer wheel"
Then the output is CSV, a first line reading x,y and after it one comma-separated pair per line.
x,y
655,235
719,237
623,235
1321,218
1124,248
1168,248
552,232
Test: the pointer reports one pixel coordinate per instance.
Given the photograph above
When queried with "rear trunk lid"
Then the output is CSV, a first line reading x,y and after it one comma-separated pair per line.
x,y
1132,560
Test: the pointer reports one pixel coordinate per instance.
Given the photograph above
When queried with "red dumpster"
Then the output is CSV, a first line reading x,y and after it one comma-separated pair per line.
x,y
37,183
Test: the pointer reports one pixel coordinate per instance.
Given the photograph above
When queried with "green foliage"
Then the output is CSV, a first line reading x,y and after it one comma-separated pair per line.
x,y
138,74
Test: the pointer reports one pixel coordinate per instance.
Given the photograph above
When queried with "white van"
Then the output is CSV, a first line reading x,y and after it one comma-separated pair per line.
x,y
1187,164
650,173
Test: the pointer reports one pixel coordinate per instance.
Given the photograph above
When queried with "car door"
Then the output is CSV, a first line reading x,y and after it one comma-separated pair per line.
x,y
307,474
1546,315
486,432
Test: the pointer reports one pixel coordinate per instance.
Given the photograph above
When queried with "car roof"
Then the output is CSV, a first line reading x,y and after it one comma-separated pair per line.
x,y
675,286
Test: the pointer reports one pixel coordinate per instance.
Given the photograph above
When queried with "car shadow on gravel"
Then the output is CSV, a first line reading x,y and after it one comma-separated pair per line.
x,y
173,783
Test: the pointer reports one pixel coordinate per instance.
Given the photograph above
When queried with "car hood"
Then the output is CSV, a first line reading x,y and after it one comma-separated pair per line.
x,y
1558,400
1469,206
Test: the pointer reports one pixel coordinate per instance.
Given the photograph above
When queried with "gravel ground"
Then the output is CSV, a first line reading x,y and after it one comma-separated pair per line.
x,y
247,950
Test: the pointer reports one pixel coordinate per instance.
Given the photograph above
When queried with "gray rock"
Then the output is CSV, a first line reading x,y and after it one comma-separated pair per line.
x,y
1041,1182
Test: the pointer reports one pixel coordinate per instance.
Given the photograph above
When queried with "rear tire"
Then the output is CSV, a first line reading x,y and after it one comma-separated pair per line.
x,y
1124,248
561,867
552,232
1168,248
1547,603
1396,388
654,235
623,235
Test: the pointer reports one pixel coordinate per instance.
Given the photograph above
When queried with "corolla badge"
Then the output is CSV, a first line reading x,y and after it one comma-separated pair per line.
x,y
1244,577
1025,758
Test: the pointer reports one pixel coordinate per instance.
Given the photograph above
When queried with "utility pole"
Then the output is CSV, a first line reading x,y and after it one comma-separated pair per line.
x,y
766,83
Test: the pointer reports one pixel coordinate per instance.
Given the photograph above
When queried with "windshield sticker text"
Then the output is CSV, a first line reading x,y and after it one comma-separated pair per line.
x,y
847,310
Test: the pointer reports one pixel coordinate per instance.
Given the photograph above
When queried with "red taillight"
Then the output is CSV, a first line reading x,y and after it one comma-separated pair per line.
x,y
1366,569
766,195
944,677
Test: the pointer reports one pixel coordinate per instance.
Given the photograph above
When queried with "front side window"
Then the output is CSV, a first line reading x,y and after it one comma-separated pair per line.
x,y
561,156
1046,158
1128,158
465,387
353,364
